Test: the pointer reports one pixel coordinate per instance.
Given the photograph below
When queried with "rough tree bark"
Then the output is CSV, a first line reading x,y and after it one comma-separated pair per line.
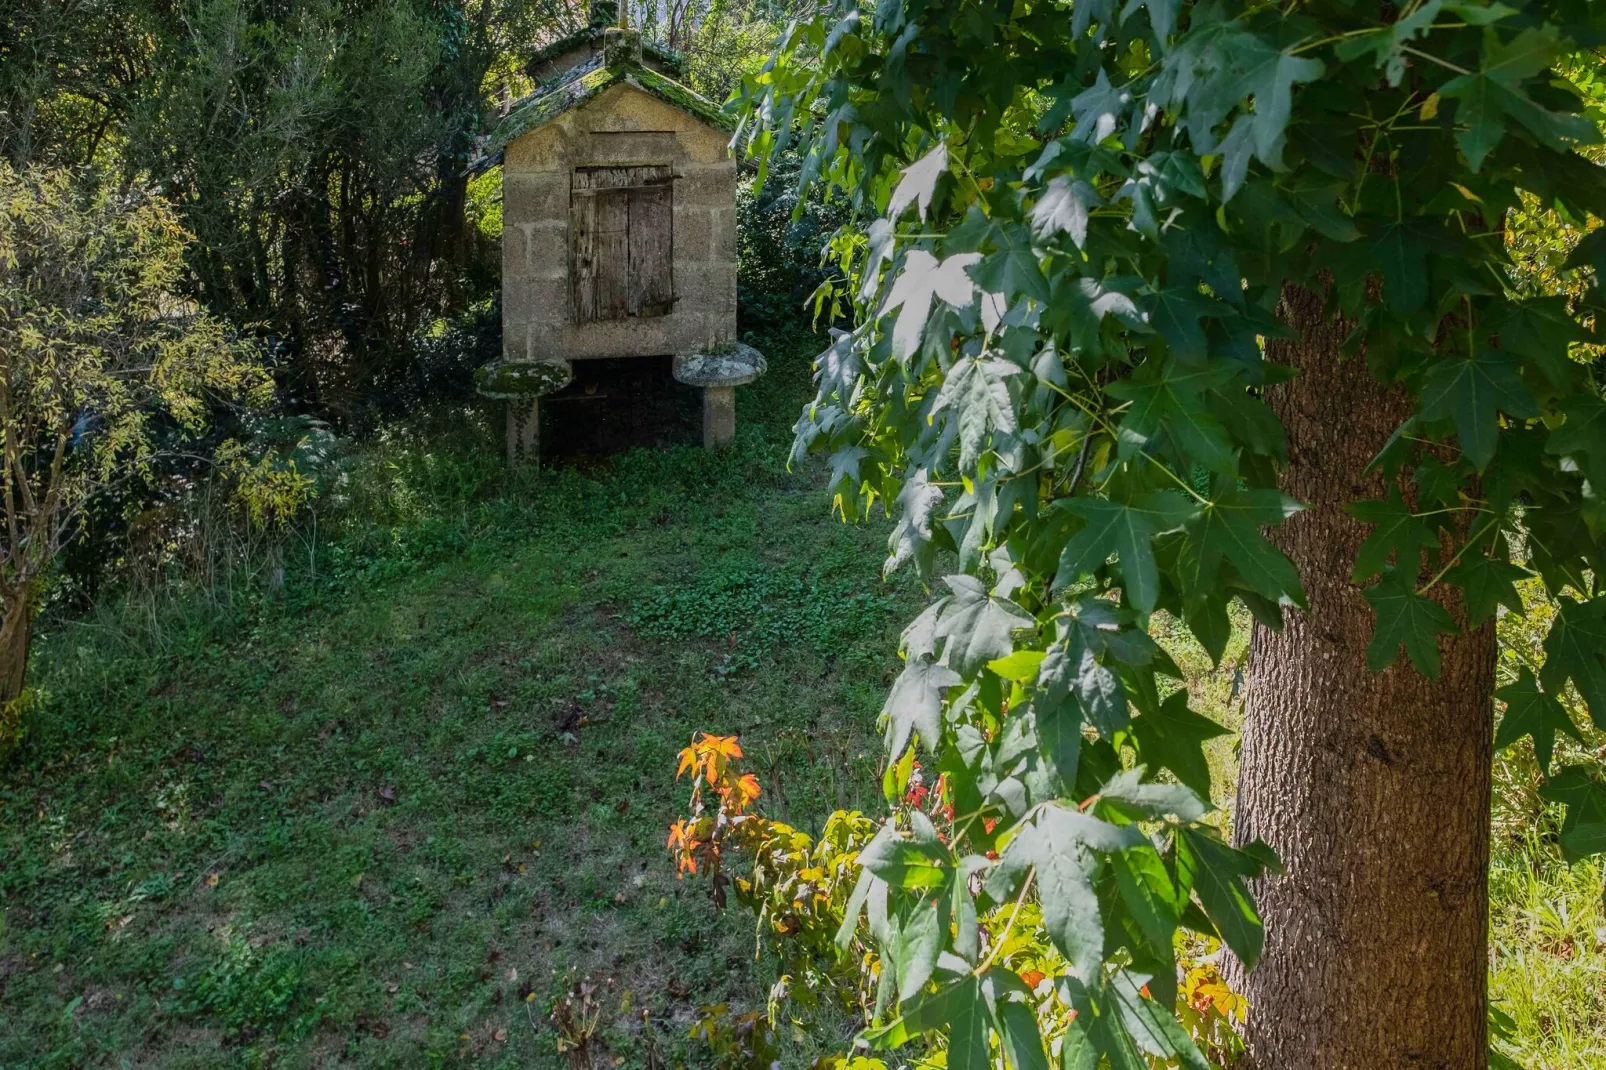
x,y
16,629
1373,788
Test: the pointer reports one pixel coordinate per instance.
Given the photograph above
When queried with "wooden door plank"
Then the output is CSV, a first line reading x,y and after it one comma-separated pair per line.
x,y
652,290
613,254
583,258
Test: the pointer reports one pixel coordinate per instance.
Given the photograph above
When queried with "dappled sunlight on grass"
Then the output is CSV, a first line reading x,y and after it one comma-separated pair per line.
x,y
1548,955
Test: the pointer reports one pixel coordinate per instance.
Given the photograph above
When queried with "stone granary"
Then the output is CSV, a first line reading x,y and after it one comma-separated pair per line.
x,y
619,230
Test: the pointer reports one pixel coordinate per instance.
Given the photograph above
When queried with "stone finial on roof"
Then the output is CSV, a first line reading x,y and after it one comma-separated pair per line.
x,y
621,47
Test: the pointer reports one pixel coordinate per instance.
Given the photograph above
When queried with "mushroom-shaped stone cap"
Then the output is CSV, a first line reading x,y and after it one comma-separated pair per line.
x,y
736,365
514,379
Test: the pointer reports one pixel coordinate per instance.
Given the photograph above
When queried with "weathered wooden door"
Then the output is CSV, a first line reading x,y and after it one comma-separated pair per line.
x,y
622,243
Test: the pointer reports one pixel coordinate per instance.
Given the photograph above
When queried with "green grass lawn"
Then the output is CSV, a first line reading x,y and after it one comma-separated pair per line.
x,y
388,816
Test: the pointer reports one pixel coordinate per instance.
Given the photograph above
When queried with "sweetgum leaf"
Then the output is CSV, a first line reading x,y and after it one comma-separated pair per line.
x,y
1123,531
1472,393
912,536
915,704
1230,528
1583,830
1573,651
1060,844
1009,1000
1173,736
1397,532
978,627
1153,1027
1531,712
1405,618
919,181
1217,873
1486,582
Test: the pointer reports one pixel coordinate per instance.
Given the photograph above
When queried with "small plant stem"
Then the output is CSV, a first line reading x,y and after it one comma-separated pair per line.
x,y
1004,936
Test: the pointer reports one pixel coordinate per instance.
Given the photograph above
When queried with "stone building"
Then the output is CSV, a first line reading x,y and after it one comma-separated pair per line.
x,y
619,230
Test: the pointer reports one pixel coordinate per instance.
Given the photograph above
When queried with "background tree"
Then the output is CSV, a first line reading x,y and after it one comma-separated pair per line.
x,y
1180,272
103,366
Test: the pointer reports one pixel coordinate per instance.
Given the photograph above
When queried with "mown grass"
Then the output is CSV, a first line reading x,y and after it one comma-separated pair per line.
x,y
387,816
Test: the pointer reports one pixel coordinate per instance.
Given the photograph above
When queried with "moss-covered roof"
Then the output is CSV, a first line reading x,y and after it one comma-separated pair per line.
x,y
591,37
541,107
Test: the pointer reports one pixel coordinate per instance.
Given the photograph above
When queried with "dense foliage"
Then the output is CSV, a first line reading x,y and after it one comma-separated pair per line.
x,y
102,366
1057,376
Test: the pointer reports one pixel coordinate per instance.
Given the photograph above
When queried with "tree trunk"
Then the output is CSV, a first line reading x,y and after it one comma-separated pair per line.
x,y
1373,788
16,630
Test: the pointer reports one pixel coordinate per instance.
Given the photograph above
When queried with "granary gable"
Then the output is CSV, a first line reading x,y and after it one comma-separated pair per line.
x,y
588,63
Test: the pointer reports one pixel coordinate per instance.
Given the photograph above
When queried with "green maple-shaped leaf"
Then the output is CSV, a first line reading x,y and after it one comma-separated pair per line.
x,y
1173,737
1217,873
918,182
1583,830
915,704
957,1007
1154,1028
1175,312
977,389
912,536
1492,96
924,277
1138,799
1542,330
1486,582
845,468
1062,845
1405,618
908,861
1147,893
1402,255
1473,393
1064,206
1070,674
1573,651
919,932
1169,400
1096,1030
1582,436
1099,110
1397,532
1269,76
978,627
1012,269
1122,530
1229,527
1531,712
1059,736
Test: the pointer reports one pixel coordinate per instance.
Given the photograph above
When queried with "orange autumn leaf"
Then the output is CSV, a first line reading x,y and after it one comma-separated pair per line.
x,y
716,751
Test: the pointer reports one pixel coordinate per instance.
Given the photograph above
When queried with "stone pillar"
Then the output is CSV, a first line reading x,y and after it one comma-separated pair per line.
x,y
719,415
523,431
522,383
719,374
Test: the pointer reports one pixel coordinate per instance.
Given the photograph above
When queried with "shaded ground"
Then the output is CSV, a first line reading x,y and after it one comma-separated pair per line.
x,y
387,820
